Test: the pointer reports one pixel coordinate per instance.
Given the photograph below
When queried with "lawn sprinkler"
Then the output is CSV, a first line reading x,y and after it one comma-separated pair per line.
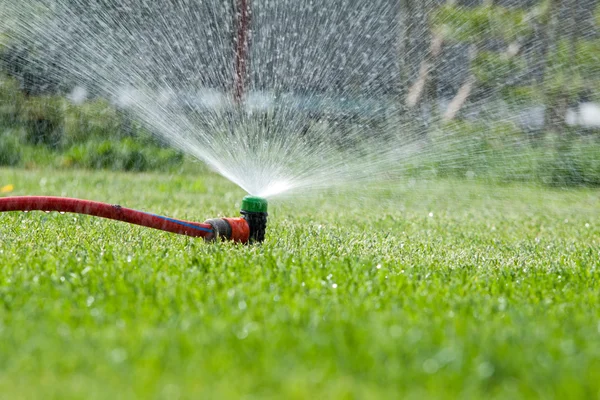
x,y
249,228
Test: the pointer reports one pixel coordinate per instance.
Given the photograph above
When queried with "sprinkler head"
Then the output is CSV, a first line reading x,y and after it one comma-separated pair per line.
x,y
254,211
250,228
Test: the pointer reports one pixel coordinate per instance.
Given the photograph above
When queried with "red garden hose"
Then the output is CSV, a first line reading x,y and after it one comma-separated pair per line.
x,y
236,228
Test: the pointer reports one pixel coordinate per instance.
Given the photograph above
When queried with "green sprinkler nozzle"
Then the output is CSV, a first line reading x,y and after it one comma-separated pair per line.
x,y
254,211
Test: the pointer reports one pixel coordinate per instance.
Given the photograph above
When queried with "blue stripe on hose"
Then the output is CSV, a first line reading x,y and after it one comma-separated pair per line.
x,y
198,228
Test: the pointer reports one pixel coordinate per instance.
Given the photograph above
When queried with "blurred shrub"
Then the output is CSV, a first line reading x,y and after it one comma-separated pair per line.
x,y
576,165
500,152
462,148
493,68
43,120
36,69
471,24
125,154
11,100
10,150
521,95
92,120
41,130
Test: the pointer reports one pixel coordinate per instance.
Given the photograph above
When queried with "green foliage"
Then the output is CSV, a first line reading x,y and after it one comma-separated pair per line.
x,y
11,101
492,68
10,150
522,94
466,149
93,120
125,154
3,41
500,152
587,57
562,84
540,13
88,135
576,164
572,69
472,24
42,118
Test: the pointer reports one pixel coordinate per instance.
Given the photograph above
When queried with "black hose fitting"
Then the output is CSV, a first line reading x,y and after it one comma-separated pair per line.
x,y
258,225
221,228
254,211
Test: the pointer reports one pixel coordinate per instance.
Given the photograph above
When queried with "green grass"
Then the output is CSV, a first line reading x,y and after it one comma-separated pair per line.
x,y
443,290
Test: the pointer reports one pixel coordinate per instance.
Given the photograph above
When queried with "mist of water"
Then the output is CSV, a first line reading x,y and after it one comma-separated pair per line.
x,y
324,101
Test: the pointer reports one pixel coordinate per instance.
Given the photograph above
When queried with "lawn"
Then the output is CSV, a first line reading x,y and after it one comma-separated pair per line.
x,y
423,290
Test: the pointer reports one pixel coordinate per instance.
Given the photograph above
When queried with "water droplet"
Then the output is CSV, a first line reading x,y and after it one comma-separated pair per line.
x,y
485,370
431,366
118,355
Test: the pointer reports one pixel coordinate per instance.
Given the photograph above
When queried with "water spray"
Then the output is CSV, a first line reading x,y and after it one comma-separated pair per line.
x,y
249,228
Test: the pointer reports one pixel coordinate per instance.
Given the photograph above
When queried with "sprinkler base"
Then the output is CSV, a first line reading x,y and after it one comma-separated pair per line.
x,y
235,229
258,225
254,211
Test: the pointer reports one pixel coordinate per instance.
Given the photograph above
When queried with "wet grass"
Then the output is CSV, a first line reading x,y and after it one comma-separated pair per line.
x,y
430,290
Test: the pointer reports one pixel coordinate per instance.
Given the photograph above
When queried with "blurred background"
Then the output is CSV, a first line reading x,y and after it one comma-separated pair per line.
x,y
502,90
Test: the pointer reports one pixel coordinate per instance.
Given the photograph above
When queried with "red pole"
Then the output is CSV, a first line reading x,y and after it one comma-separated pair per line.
x,y
241,51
